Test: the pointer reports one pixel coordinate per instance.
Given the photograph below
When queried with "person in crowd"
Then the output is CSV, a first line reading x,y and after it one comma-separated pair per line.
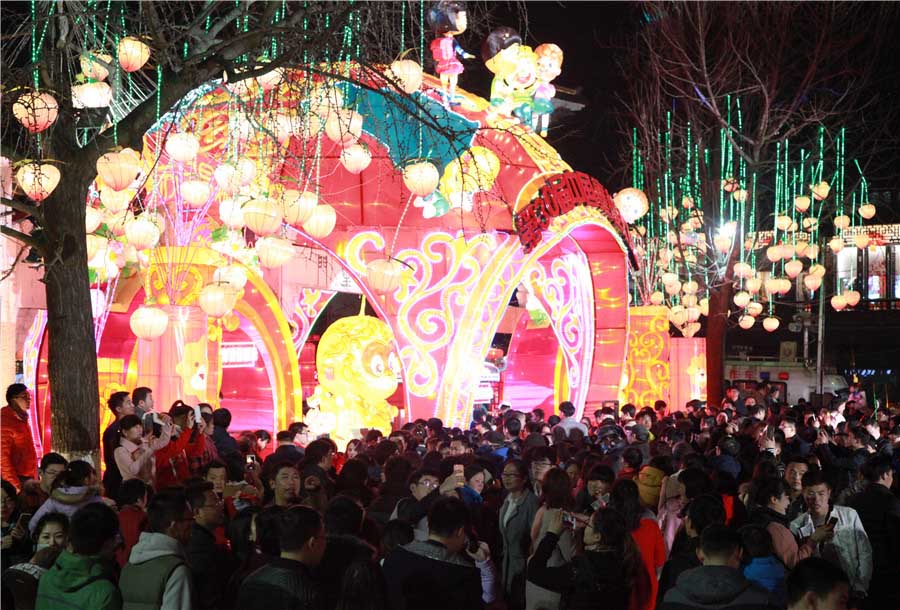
x,y
284,481
425,488
142,399
226,446
625,500
185,454
817,584
83,576
568,421
34,493
217,474
288,581
343,529
633,459
18,461
764,569
74,488
16,546
120,404
133,497
211,564
794,470
157,574
556,493
135,455
771,502
353,481
517,514
317,462
286,451
443,572
396,474
879,511
718,583
794,446
638,437
20,581
849,546
594,495
395,534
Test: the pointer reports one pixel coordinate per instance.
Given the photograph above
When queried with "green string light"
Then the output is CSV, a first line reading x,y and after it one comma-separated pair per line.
x,y
158,90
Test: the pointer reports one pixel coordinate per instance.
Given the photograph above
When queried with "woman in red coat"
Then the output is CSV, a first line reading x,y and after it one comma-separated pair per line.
x,y
18,461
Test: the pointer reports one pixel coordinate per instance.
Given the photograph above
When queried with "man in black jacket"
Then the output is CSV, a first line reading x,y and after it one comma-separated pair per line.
x,y
211,564
287,581
343,526
286,451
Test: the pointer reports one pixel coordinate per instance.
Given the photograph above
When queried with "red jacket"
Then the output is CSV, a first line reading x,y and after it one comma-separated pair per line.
x,y
17,457
132,521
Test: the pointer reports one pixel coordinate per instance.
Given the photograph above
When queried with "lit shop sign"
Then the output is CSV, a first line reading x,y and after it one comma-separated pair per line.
x,y
560,194
238,355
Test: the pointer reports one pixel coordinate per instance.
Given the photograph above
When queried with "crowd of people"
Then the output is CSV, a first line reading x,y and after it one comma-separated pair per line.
x,y
747,505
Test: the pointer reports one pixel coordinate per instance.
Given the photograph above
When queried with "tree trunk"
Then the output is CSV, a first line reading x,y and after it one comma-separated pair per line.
x,y
716,328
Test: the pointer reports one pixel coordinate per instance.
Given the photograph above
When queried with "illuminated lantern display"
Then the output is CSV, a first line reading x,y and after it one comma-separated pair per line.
x,y
657,297
802,203
36,111
730,185
704,306
133,53
384,274
741,299
861,241
94,244
195,193
298,207
773,253
802,249
672,289
262,216
867,211
407,74
217,299
689,300
421,178
820,190
91,66
817,269
274,251
97,94
808,223
771,324
752,285
793,268
783,222
322,221
38,180
743,270
754,308
812,252
355,158
231,212
116,201
773,285
92,219
692,314
852,297
148,322
669,278
115,222
141,232
182,146
836,244
746,322
690,287
344,126
842,221
722,243
119,169
678,316
632,204
246,170
271,79
228,178
232,275
740,195
812,282
838,302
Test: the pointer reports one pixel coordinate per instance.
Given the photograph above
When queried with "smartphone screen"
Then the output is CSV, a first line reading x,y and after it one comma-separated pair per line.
x,y
832,522
24,518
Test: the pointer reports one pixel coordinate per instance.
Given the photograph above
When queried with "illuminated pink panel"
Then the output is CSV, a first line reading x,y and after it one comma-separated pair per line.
x,y
687,362
528,382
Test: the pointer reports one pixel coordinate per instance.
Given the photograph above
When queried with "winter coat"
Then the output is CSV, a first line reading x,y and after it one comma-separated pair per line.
x,y
282,583
850,548
136,460
132,521
211,565
18,460
79,582
178,589
783,542
112,478
426,576
341,551
717,587
20,583
768,573
683,557
66,500
649,540
879,511
515,534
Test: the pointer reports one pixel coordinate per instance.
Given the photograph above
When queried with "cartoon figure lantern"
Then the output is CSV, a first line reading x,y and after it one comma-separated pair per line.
x,y
357,370
549,66
500,53
448,18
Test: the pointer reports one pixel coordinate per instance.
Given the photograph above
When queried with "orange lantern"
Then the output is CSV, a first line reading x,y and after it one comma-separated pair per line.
x,y
322,221
133,54
741,299
838,302
754,308
421,178
355,158
746,322
690,287
298,207
384,274
867,211
96,94
740,195
407,74
817,269
802,203
38,180
274,251
182,146
344,126
262,216
119,169
91,66
217,299
812,282
793,268
36,111
852,297
148,322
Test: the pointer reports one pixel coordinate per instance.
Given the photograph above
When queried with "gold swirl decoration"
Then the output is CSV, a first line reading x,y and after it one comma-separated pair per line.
x,y
647,365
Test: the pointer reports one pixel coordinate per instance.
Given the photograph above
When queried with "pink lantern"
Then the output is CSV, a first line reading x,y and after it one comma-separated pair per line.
x,y
36,111
852,297
741,299
812,282
217,300
38,180
838,302
754,308
771,324
133,54
793,268
91,66
752,285
746,322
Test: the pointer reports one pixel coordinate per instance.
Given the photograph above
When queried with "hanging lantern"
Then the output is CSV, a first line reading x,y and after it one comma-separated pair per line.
x,y
678,316
91,66
242,128
753,285
689,300
852,297
730,185
692,314
115,222
344,126
195,193
38,180
838,302
632,204
116,201
867,211
841,222
836,244
722,243
773,285
743,270
690,287
93,218
754,308
741,299
820,190
246,170
657,298
704,306
217,299
133,54
407,74
690,329
355,158
787,251
669,278
783,222
773,253
793,268
231,212
673,289
810,223
322,221
141,232
802,248
784,286
148,322
861,241
262,216
817,269
270,79
36,111
228,178
274,251
384,275
812,282
118,170
231,275
97,94
94,244
421,178
182,147
812,252
740,195
771,324
802,203
746,322
298,207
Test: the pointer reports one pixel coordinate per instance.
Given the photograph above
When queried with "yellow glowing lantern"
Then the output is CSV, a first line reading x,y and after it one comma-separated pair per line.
x,y
820,190
783,222
812,282
836,244
704,306
195,193
36,111
746,322
841,221
838,302
92,219
852,297
182,147
231,275
91,66
867,211
407,74
743,270
861,241
344,126
817,269
793,268
298,207
321,223
673,289
771,324
97,94
657,298
690,287
384,275
141,232
689,300
754,308
741,299
262,216
246,170
802,203
116,201
217,299
133,53
421,178
740,195
274,251
802,248
355,158
773,253
669,278
148,322
722,243
632,204
38,180
119,169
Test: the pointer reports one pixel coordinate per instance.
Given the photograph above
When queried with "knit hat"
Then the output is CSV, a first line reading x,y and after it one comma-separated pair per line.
x,y
649,481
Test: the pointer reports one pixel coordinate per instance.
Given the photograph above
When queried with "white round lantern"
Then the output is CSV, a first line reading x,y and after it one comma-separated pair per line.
x,y
217,299
228,178
771,324
384,275
355,158
344,126
119,169
632,204
407,74
97,94
141,232
195,193
116,201
93,218
232,275
231,212
298,207
182,147
274,251
321,223
743,270
148,322
421,178
262,216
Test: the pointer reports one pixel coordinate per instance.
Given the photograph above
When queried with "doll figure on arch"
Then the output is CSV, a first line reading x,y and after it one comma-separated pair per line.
x,y
549,66
447,18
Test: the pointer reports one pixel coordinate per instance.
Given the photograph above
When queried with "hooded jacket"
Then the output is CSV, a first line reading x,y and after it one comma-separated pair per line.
x,y
66,500
179,588
78,581
715,587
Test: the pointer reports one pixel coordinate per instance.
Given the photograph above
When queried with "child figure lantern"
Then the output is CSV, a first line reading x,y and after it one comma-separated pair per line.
x,y
549,66
447,19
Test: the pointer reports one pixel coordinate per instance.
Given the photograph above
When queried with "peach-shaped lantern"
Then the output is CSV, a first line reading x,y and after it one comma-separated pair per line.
x,y
657,298
92,219
741,299
384,275
820,190
119,169
752,285
802,248
690,287
793,268
817,269
810,224
838,302
740,195
217,299
861,241
274,251
97,94
231,212
704,306
754,308
298,207
836,244
813,251
421,178
773,253
785,286
344,126
672,289
852,297
687,202
812,282
133,53
773,285
407,74
322,221
730,185
771,324
690,329
783,222
195,193
148,322
841,221
115,222
689,300
746,322
632,204
91,66
36,111
246,170
38,180
232,275
141,232
94,244
182,146
743,270
115,201
228,178
677,315
802,203
722,243
867,211
355,158
692,314
262,216
669,278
